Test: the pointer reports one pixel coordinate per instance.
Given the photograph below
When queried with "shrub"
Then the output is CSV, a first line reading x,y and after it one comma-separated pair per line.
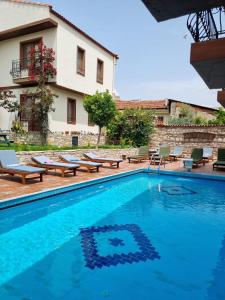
x,y
132,126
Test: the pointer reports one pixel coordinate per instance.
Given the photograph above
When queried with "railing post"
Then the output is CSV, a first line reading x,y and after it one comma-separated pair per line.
x,y
197,28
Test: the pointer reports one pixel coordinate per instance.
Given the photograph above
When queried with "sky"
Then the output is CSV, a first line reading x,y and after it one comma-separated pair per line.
x,y
154,57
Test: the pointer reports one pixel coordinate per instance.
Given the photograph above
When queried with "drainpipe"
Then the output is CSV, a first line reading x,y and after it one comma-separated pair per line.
x,y
114,73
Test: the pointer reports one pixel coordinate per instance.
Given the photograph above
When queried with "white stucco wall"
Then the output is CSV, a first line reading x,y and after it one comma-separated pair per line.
x,y
68,40
58,118
10,50
16,14
64,40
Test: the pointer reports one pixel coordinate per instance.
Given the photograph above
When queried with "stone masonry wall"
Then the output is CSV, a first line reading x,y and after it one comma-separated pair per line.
x,y
190,137
58,138
25,156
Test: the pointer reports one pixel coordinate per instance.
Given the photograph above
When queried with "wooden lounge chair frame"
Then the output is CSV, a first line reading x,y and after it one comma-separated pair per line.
x,y
220,163
89,167
23,174
140,157
198,162
112,163
173,156
48,167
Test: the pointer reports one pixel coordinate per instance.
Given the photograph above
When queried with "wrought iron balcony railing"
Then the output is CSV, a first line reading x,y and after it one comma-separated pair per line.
x,y
207,25
21,69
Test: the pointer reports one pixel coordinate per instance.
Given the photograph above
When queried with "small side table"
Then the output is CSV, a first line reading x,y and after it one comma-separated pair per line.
x,y
188,163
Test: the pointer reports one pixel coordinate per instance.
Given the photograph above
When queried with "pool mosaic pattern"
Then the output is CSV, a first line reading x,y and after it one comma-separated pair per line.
x,y
90,246
176,190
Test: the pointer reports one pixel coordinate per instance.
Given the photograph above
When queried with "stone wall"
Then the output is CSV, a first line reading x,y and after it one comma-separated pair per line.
x,y
57,138
25,156
190,137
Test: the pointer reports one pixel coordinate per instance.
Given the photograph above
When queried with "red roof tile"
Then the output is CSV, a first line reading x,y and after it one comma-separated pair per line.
x,y
147,104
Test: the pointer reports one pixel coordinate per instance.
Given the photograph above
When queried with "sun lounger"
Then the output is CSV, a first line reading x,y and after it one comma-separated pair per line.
x,y
207,153
161,157
143,154
220,159
91,166
9,164
197,156
177,152
111,161
48,164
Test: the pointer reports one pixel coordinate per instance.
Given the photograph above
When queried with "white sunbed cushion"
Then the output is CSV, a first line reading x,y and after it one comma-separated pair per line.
x,y
91,155
25,168
109,159
43,159
8,157
70,158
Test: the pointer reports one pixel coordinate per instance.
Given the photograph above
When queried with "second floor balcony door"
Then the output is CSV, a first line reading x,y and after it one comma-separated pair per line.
x,y
25,57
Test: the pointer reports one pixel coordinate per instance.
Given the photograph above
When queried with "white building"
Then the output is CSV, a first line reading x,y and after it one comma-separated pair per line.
x,y
83,65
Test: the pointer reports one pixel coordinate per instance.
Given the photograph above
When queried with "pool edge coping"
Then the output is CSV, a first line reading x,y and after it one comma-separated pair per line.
x,y
31,197
15,201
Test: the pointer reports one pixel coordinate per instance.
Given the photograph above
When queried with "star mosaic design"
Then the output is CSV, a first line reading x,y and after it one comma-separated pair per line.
x,y
116,242
95,260
177,190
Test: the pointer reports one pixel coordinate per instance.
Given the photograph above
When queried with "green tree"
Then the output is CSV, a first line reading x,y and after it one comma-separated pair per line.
x,y
186,116
101,109
42,70
220,117
9,102
133,126
199,120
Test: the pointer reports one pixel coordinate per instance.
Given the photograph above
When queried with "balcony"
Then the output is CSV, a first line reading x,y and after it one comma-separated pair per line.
x,y
20,72
208,52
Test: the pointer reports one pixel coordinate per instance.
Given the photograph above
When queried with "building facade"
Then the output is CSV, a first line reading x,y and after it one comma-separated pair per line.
x,y
166,109
83,65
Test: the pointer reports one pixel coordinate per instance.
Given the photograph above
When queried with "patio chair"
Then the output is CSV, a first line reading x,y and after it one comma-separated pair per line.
x,y
197,156
91,166
177,152
143,154
48,164
161,157
220,159
207,153
94,158
9,164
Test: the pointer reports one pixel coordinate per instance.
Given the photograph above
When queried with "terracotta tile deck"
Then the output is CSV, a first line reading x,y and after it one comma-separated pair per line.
x,y
12,187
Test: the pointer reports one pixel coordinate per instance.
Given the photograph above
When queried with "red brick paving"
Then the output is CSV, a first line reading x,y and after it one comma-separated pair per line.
x,y
12,187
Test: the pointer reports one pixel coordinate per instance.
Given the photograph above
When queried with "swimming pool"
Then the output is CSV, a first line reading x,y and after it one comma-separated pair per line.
x,y
137,237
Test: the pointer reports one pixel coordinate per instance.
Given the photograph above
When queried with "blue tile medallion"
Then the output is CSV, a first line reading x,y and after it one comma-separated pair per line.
x,y
95,260
177,190
116,242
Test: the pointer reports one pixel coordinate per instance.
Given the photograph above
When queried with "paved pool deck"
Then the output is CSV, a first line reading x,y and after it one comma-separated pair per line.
x,y
12,187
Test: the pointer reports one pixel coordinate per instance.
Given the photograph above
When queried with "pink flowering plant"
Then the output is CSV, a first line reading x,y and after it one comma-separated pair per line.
x,y
41,64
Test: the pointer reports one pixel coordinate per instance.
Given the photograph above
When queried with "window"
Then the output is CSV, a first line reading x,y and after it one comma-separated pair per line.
x,y
27,103
100,70
71,111
25,48
80,61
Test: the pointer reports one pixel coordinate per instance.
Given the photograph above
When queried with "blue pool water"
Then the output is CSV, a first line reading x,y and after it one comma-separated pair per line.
x,y
138,237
